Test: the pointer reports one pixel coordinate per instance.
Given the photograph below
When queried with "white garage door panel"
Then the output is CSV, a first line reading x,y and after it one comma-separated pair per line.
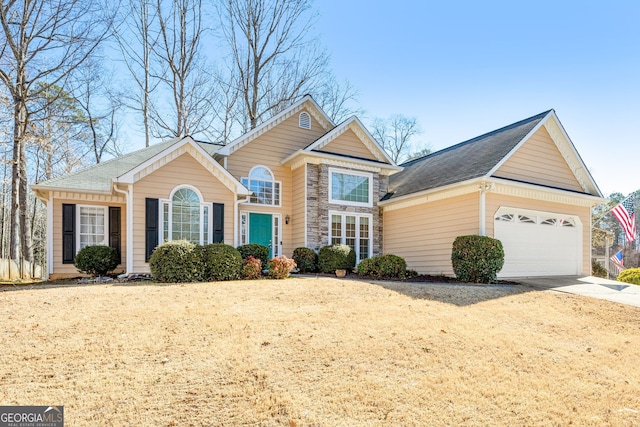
x,y
537,243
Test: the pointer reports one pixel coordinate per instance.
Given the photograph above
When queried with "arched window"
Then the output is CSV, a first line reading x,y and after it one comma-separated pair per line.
x,y
304,120
185,216
266,190
185,210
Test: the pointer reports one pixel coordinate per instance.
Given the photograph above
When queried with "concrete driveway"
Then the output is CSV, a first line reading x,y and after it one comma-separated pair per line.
x,y
589,286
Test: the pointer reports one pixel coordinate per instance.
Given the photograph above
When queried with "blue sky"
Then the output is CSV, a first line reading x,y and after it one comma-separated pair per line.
x,y
463,68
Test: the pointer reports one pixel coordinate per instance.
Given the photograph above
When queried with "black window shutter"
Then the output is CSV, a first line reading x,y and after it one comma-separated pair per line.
x,y
218,222
114,230
151,227
68,233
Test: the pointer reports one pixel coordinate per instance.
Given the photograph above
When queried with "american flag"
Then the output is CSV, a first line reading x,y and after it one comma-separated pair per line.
x,y
618,262
626,216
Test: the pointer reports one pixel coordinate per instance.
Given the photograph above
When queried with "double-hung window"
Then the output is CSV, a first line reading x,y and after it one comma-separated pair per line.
x,y
350,187
266,190
353,230
92,226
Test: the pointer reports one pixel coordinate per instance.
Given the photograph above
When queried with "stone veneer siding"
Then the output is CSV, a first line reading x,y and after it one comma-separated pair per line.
x,y
318,207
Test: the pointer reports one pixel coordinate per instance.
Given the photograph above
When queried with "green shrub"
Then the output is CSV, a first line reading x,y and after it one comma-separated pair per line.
x,y
306,259
280,267
251,268
336,257
369,267
383,267
630,275
597,269
477,258
255,250
221,262
177,261
96,260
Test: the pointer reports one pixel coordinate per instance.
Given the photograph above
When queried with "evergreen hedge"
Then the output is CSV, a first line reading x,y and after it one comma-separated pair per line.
x,y
96,260
306,259
336,257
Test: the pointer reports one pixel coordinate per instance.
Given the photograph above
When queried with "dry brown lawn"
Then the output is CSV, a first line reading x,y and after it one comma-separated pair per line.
x,y
319,352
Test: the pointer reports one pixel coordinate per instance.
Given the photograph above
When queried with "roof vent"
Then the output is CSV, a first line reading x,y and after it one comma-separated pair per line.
x,y
304,120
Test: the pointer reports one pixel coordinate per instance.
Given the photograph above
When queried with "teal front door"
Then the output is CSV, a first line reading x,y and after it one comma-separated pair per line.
x,y
261,231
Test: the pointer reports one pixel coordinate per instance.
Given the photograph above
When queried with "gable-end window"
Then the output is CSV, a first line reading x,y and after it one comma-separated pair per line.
x,y
304,120
185,216
350,188
266,190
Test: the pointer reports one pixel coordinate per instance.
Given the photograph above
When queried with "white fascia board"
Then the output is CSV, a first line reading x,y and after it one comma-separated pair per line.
x,y
576,154
342,128
249,136
39,188
129,177
336,157
533,188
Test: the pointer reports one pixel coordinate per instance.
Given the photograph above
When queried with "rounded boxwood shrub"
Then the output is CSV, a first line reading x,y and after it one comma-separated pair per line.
x,y
177,261
336,257
383,267
221,262
630,275
96,260
255,250
306,259
369,267
477,258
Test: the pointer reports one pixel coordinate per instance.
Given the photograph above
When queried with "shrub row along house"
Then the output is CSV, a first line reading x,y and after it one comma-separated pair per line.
x,y
299,180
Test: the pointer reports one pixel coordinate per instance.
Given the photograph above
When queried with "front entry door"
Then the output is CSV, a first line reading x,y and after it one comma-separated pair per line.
x,y
261,231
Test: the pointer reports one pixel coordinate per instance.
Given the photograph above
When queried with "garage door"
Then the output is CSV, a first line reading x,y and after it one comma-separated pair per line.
x,y
538,243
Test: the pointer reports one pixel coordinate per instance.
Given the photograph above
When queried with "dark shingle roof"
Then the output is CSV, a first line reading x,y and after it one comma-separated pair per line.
x,y
98,178
467,160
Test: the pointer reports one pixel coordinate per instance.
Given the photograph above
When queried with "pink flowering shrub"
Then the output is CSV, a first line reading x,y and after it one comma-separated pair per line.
x,y
280,267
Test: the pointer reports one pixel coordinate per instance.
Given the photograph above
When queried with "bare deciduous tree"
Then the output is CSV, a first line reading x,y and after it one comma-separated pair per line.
x,y
184,75
136,37
395,135
40,42
275,60
336,99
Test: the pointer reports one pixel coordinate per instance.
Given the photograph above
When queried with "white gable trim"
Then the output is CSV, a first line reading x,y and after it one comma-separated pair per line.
x,y
185,145
306,102
354,124
517,147
568,151
302,157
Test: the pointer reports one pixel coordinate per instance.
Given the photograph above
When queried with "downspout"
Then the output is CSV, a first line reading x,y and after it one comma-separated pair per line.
x,y
484,188
129,198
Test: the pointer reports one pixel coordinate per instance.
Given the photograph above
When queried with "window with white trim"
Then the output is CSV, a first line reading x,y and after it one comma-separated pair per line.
x,y
92,226
353,230
350,187
185,216
266,190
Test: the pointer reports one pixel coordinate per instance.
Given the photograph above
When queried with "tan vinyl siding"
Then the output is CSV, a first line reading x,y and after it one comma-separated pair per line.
x,y
423,234
61,270
298,217
269,150
350,145
539,161
159,184
273,146
495,201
